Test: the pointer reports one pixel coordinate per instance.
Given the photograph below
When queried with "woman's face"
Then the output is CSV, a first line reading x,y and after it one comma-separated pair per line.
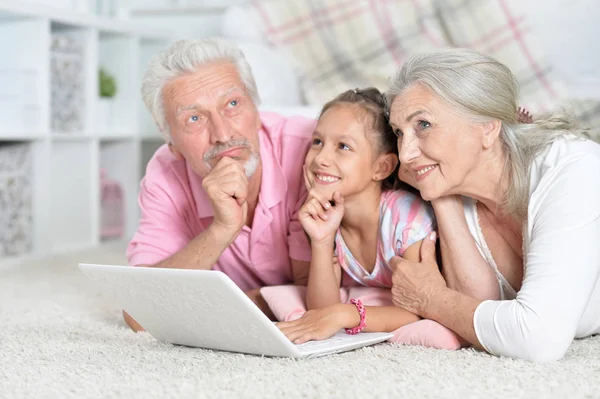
x,y
438,149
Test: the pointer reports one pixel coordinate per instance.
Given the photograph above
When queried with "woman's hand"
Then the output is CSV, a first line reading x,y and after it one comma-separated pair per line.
x,y
320,324
319,218
415,284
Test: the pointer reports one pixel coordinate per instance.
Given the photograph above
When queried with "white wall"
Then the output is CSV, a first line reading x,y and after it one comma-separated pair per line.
x,y
567,30
196,18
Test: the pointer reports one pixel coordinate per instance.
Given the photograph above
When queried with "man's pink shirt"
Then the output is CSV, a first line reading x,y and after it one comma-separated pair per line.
x,y
175,209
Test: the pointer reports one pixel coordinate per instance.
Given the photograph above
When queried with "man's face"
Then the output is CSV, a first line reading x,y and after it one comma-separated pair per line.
x,y
211,115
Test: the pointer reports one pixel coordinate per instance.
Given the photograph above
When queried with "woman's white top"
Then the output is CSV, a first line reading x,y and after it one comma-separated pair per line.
x,y
559,299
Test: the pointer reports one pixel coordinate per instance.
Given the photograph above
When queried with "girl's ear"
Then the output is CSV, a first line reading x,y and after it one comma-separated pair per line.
x,y
385,166
490,133
178,156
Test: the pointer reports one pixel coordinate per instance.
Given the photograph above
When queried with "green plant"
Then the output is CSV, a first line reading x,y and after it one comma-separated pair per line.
x,y
107,84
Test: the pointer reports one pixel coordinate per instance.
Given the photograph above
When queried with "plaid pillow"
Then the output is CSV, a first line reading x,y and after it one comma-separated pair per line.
x,y
501,29
336,45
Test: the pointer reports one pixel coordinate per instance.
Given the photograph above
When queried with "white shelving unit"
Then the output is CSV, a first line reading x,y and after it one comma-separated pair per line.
x,y
52,203
64,166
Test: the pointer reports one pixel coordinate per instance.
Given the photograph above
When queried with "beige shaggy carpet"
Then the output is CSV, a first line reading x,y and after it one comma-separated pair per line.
x,y
60,338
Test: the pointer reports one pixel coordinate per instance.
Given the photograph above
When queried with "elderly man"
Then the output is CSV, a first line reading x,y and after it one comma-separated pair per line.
x,y
224,192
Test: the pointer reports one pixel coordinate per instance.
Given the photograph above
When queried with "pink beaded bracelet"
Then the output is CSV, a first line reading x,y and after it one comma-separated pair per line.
x,y
362,312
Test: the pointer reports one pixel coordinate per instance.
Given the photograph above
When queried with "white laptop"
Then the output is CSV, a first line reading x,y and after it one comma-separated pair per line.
x,y
204,308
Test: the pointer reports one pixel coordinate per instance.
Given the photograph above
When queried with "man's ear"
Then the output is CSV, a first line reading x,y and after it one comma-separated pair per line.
x,y
490,133
178,156
386,164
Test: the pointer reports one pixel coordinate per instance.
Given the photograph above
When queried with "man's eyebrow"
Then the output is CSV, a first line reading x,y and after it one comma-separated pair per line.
x,y
231,90
197,106
187,107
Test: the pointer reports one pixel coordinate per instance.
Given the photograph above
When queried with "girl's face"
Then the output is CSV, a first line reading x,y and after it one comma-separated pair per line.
x,y
341,156
438,149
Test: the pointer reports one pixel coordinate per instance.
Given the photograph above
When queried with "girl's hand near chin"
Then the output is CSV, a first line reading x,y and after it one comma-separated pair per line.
x,y
319,218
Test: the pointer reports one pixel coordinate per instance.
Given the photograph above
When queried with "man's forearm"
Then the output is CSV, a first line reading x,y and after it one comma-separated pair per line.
x,y
463,267
201,253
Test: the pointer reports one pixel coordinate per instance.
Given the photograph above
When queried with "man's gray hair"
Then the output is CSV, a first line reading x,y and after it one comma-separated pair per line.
x,y
187,56
483,89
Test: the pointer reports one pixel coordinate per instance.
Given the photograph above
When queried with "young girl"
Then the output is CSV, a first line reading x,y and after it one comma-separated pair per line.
x,y
352,212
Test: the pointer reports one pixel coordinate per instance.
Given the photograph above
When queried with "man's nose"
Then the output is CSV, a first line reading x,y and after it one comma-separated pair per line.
x,y
220,130
408,148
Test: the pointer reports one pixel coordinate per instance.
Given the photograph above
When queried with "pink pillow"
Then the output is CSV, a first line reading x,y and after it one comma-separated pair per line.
x,y
288,303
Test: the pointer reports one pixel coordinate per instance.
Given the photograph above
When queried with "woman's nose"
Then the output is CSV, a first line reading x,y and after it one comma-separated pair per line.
x,y
408,148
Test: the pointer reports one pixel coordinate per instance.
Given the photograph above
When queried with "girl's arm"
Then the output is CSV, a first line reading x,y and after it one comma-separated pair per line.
x,y
464,269
323,282
321,219
378,318
323,323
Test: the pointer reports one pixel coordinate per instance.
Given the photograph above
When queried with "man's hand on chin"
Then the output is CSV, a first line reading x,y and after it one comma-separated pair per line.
x,y
261,303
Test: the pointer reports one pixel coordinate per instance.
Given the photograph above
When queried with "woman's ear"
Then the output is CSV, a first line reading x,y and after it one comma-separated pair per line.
x,y
386,164
491,132
178,156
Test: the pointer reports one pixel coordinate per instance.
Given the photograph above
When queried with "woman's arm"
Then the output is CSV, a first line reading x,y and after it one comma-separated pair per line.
x,y
419,287
464,268
562,269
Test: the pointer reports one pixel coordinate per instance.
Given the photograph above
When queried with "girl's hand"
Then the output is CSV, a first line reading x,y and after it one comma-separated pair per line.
x,y
415,284
320,324
319,218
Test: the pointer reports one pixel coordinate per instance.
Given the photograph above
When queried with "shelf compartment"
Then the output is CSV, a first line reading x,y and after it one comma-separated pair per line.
x,y
16,208
117,56
23,77
72,200
119,163
69,69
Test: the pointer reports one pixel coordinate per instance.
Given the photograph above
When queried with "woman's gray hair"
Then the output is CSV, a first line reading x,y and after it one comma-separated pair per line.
x,y
482,89
186,56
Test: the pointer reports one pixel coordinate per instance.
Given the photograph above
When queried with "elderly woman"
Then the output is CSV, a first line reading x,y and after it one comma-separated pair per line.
x,y
518,209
